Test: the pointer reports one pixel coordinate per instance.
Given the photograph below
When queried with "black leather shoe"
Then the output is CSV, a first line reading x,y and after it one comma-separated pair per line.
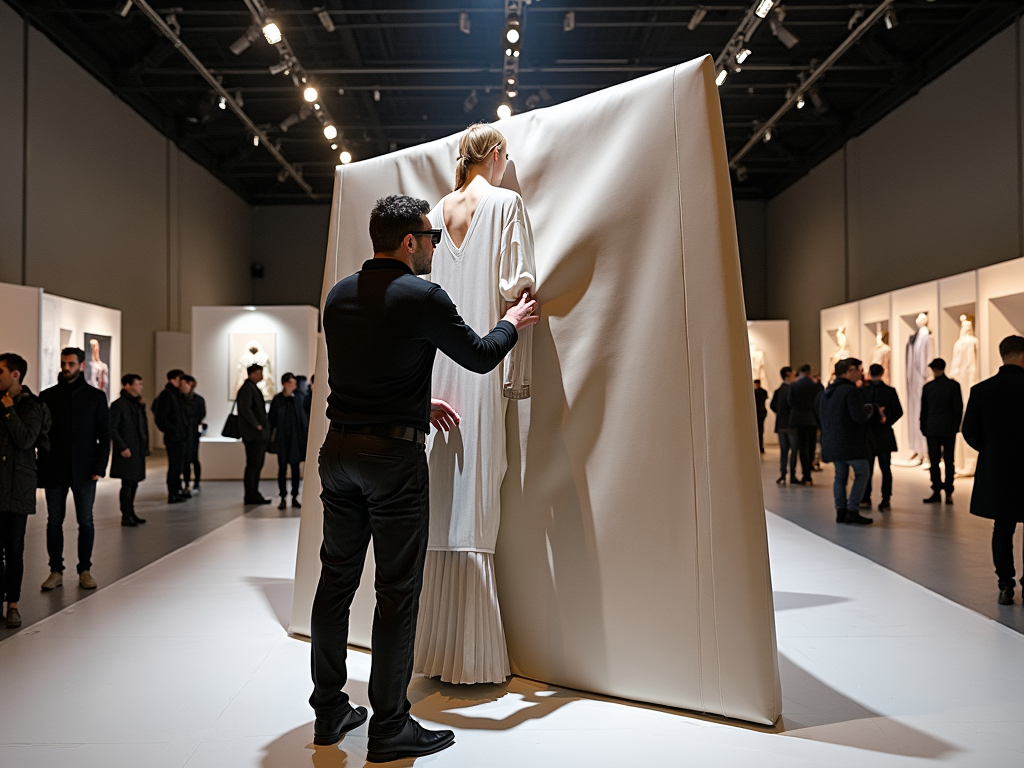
x,y
413,741
175,499
329,730
949,498
935,498
781,480
856,518
883,505
138,520
1006,596
127,521
295,502
283,504
840,515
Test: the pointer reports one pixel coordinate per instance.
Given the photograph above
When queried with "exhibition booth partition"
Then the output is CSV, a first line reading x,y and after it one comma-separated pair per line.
x,y
769,352
38,325
226,341
632,555
961,319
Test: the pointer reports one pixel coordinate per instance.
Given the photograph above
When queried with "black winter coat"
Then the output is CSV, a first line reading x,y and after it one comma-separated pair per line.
x,y
801,399
780,407
845,434
878,393
289,427
170,416
760,398
252,412
129,430
942,407
195,409
994,427
80,435
20,429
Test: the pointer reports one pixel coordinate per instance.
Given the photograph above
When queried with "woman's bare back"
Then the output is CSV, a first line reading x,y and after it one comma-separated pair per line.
x,y
459,208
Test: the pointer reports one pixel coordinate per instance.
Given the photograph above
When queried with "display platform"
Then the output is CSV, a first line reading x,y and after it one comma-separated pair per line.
x,y
876,671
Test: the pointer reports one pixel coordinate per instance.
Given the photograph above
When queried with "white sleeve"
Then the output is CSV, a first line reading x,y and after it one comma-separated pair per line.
x,y
517,273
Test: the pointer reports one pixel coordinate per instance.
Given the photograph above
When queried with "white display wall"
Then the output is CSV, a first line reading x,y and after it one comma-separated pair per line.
x,y
835,320
21,305
289,335
772,338
992,297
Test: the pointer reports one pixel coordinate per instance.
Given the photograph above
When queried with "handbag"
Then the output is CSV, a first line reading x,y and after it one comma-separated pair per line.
x,y
231,428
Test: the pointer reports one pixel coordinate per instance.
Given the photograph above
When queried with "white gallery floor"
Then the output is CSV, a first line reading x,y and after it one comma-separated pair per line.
x,y
187,663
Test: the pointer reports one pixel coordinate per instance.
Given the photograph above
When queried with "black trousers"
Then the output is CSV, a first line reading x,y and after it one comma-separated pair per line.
x,y
885,465
789,447
760,432
942,449
177,452
192,467
127,496
807,438
255,454
282,475
12,555
373,488
1002,551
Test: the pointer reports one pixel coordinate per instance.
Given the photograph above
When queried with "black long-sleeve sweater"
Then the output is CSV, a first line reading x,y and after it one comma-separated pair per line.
x,y
383,326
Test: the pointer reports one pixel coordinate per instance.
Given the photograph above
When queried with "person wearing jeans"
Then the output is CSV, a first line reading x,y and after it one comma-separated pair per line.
x,y
883,443
788,443
79,448
846,439
801,398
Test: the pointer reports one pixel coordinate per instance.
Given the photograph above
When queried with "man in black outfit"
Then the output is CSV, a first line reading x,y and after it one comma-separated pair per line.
x,y
883,440
195,409
787,435
383,326
994,427
802,416
760,398
254,425
942,409
77,457
171,419
130,432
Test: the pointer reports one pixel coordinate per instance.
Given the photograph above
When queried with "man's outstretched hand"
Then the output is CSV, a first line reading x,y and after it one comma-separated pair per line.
x,y
521,314
442,415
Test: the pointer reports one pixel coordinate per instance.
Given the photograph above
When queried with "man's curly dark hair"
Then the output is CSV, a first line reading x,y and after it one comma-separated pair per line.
x,y
394,217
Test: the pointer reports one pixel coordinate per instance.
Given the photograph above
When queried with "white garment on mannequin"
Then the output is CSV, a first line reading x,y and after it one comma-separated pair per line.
x,y
842,349
757,365
254,354
882,355
920,352
964,369
459,636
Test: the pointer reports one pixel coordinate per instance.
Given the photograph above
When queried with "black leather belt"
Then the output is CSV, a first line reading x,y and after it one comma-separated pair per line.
x,y
381,430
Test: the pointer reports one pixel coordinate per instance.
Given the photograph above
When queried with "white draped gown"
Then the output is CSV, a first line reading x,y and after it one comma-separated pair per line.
x,y
920,352
460,637
964,369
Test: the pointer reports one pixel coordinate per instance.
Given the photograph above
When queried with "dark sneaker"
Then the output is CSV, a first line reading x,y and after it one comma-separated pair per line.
x,y
128,522
855,518
14,618
949,497
295,502
1006,596
138,520
283,504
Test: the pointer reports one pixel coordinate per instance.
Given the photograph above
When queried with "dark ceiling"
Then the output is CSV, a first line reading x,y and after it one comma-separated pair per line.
x,y
395,73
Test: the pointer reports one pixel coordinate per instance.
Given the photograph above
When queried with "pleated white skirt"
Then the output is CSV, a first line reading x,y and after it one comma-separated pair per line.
x,y
459,637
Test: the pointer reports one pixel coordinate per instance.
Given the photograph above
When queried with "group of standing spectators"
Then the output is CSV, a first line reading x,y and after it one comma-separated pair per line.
x,y
180,413
855,415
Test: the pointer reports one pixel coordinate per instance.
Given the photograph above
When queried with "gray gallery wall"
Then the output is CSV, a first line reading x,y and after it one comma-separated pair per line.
x,y
930,191
112,213
291,243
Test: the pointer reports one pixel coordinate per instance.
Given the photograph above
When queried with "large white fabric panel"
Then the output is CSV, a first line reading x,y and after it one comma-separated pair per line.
x,y
632,556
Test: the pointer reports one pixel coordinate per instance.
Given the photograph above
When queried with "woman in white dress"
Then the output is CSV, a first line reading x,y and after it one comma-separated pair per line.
x,y
484,261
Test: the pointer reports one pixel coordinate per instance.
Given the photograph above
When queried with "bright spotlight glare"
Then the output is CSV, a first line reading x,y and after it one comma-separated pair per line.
x,y
330,132
345,157
743,55
721,77
763,7
310,94
512,35
272,32
222,103
504,110
800,102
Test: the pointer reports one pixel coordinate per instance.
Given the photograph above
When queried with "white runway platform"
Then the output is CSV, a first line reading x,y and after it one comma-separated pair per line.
x,y
186,663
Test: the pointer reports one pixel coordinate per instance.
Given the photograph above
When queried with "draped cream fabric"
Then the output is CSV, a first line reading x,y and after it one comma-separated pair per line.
x,y
632,557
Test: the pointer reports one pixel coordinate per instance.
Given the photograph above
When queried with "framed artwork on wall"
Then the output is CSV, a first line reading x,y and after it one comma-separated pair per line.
x,y
244,349
97,362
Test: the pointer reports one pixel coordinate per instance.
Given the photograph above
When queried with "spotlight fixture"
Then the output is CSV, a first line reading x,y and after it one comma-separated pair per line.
x,y
281,66
569,22
345,157
238,99
504,111
767,135
471,101
512,34
512,94
341,91
783,35
334,146
325,18
722,75
698,16
289,122
800,103
855,18
330,132
243,43
890,19
464,23
310,94
171,20
741,173
272,32
376,95
282,175
222,102
125,9
316,106
743,55
764,7
255,140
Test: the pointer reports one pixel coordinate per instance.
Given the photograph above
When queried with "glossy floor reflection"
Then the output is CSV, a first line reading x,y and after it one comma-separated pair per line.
x,y
187,663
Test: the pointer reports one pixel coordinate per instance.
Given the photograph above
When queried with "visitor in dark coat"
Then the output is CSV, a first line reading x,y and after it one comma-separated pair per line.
x,y
254,426
129,430
942,409
994,427
883,439
761,410
289,426
789,447
801,399
171,419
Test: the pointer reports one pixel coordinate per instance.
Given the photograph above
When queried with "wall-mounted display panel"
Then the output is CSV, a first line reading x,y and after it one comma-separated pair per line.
x,y
840,337
876,333
71,323
769,352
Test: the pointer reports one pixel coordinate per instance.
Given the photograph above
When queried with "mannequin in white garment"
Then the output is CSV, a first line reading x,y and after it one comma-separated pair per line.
x,y
255,354
882,353
484,259
964,369
920,352
842,348
757,364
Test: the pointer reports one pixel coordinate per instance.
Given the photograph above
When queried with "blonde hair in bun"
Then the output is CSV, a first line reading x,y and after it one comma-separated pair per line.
x,y
475,146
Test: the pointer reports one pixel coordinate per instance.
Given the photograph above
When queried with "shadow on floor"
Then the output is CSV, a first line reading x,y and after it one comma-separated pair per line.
x,y
278,594
789,601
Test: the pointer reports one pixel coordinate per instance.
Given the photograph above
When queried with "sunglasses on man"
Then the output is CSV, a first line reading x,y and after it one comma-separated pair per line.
x,y
435,235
